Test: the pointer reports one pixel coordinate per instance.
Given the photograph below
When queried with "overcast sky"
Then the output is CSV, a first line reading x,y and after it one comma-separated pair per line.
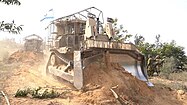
x,y
145,17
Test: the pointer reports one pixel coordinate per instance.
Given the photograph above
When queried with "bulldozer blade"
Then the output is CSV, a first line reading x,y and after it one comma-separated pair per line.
x,y
132,66
149,84
138,72
135,70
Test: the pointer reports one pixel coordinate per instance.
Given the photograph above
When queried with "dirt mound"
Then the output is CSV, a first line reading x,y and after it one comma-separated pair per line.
x,y
128,87
99,78
25,57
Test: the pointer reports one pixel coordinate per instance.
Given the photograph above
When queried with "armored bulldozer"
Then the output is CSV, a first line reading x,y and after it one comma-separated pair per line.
x,y
81,38
33,43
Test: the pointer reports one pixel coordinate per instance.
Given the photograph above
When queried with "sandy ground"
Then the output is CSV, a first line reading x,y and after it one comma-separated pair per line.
x,y
96,91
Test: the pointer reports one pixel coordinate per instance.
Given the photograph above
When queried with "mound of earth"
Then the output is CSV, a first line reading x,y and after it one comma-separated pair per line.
x,y
100,78
25,57
113,76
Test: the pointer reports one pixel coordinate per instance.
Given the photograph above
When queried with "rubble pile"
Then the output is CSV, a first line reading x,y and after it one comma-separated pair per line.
x,y
25,57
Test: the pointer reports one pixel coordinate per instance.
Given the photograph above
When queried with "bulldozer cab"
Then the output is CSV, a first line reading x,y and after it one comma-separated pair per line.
x,y
69,33
70,27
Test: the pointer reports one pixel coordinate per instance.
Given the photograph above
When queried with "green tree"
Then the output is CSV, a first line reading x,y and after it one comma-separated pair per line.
x,y
145,47
138,40
157,41
177,52
10,27
165,50
120,34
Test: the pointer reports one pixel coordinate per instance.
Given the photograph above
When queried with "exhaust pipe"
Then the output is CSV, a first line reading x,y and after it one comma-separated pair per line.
x,y
97,26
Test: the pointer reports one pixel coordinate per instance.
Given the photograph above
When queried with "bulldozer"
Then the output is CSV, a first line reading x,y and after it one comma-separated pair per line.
x,y
33,43
81,38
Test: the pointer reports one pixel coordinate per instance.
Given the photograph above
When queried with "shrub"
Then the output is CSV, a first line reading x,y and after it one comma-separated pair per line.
x,y
37,93
22,93
167,68
178,86
182,76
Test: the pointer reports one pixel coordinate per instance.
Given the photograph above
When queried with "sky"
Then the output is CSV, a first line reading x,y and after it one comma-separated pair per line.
x,y
144,17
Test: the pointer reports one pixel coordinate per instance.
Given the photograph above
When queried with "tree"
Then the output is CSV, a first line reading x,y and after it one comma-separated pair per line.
x,y
177,52
10,27
11,2
138,40
119,32
145,47
165,50
157,42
